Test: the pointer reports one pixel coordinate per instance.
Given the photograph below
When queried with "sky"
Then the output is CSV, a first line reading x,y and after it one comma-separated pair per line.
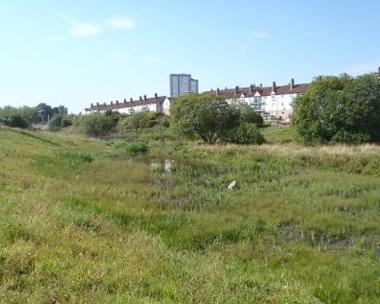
x,y
77,52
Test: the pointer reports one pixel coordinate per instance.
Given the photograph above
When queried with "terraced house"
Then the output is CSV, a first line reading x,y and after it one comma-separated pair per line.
x,y
276,101
158,104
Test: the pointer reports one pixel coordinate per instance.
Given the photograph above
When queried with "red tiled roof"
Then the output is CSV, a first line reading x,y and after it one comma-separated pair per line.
x,y
127,104
263,91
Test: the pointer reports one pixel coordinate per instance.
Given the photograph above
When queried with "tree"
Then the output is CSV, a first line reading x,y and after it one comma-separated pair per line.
x,y
13,117
249,115
209,117
339,109
205,116
59,121
141,120
45,112
97,124
245,133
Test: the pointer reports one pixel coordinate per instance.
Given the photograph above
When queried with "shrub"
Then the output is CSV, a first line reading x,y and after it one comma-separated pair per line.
x,y
142,120
134,147
339,109
97,124
206,116
212,119
13,117
59,121
137,148
245,133
249,115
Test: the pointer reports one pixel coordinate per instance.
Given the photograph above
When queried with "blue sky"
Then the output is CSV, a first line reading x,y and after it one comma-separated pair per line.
x,y
77,52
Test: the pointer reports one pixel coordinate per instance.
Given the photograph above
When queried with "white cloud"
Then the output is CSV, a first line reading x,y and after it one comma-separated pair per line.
x,y
260,35
85,29
120,23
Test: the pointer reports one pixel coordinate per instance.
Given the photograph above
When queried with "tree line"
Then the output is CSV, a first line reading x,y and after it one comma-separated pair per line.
x,y
24,117
335,109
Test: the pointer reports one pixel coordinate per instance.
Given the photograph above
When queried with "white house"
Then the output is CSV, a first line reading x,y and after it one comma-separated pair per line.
x,y
157,104
274,101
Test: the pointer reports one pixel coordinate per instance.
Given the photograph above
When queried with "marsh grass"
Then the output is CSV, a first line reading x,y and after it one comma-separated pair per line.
x,y
84,222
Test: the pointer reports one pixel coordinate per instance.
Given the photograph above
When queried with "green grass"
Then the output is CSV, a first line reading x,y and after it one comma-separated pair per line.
x,y
84,221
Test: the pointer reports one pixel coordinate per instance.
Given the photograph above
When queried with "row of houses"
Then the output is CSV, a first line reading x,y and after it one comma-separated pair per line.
x,y
275,101
158,104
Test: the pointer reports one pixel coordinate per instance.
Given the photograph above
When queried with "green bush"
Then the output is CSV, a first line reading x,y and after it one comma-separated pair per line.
x,y
130,147
137,148
97,124
249,115
245,133
14,117
339,109
141,120
59,121
212,118
206,116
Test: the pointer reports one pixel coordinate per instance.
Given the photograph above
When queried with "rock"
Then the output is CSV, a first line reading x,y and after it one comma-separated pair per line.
x,y
232,186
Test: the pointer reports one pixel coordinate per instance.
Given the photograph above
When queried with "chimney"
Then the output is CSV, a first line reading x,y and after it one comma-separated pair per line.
x,y
217,92
111,103
252,88
125,100
236,90
273,86
291,85
97,104
140,98
92,105
144,97
156,96
131,99
117,102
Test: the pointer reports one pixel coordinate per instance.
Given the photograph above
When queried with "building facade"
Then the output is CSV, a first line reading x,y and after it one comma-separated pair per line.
x,y
157,104
275,101
181,84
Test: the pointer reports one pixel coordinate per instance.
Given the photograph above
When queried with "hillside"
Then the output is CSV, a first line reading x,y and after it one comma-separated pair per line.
x,y
85,221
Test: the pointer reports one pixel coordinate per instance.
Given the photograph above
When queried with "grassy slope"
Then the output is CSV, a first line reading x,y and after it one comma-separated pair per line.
x,y
301,228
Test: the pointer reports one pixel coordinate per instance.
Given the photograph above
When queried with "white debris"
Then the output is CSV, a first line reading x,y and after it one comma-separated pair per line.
x,y
232,186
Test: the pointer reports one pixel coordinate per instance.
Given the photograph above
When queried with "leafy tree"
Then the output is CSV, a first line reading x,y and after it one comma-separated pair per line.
x,y
205,116
249,115
13,117
46,112
245,133
141,120
97,124
208,117
59,121
339,109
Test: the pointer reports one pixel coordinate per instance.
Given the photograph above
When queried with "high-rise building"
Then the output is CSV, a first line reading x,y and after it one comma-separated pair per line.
x,y
194,85
181,84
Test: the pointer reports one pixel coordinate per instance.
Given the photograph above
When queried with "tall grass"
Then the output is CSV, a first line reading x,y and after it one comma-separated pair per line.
x,y
83,221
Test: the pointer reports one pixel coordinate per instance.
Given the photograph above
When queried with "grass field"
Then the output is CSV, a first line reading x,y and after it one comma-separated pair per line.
x,y
85,221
